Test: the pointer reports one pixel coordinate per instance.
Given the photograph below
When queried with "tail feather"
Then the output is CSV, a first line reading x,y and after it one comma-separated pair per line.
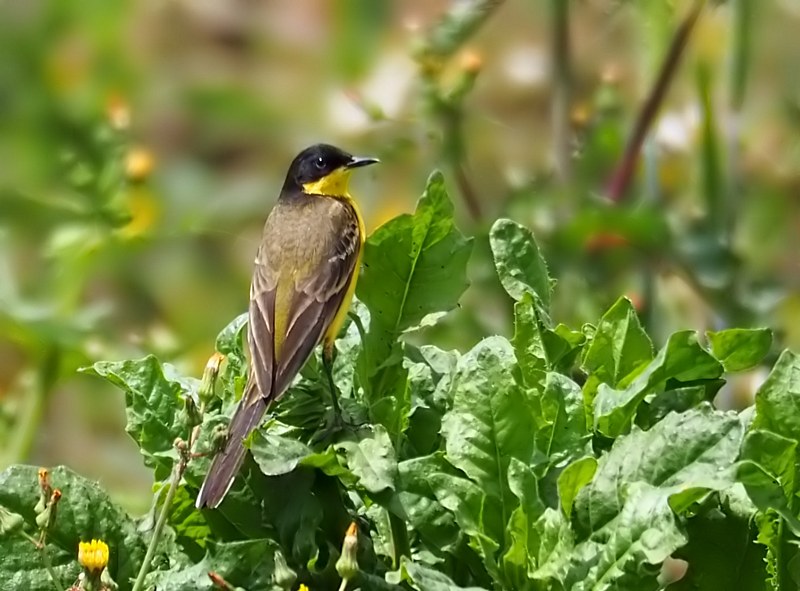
x,y
226,464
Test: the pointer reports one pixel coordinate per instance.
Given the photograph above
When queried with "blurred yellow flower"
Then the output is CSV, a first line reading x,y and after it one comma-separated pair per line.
x,y
139,163
302,588
93,556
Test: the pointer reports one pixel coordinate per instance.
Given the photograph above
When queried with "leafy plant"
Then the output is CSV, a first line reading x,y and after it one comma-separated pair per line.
x,y
556,459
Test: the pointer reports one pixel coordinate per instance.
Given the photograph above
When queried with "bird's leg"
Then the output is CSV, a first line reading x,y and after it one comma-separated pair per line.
x,y
327,362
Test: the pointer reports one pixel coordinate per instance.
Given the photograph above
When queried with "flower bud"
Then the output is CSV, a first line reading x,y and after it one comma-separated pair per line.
x,y
206,391
9,522
347,565
193,415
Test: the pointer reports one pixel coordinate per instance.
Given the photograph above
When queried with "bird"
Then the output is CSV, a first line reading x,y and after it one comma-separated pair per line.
x,y
304,278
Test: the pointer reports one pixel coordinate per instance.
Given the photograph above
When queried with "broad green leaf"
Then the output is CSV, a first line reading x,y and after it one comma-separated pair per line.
x,y
248,564
84,512
778,398
528,342
767,471
154,408
372,460
682,455
682,359
572,479
522,482
619,347
722,553
490,422
274,453
560,419
420,509
424,578
518,261
625,552
414,265
739,349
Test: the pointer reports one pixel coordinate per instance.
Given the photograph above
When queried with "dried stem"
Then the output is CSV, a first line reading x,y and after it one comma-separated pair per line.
x,y
621,179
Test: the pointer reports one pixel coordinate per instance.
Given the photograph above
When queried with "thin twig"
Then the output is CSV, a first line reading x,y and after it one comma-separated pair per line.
x,y
621,179
177,474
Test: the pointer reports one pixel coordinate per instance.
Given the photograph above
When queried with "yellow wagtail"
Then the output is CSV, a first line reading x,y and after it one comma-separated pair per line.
x,y
303,281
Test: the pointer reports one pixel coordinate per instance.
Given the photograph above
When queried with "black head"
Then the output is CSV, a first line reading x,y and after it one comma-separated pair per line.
x,y
320,161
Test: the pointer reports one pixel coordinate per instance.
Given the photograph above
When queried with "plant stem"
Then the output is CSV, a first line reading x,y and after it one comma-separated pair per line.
x,y
742,12
562,89
456,27
343,586
30,418
49,568
621,179
177,474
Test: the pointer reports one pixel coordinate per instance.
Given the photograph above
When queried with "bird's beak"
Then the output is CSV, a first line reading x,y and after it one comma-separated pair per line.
x,y
358,161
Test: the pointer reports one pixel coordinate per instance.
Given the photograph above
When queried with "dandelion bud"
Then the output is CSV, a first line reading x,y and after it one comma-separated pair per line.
x,y
139,164
193,414
45,490
206,391
347,565
219,437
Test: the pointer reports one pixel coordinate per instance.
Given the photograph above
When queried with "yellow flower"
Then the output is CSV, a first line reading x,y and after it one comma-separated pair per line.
x,y
302,588
93,556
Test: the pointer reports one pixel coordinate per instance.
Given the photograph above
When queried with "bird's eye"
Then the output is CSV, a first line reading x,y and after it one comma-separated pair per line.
x,y
320,163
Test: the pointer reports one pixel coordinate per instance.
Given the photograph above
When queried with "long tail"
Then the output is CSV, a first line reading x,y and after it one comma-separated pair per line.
x,y
225,464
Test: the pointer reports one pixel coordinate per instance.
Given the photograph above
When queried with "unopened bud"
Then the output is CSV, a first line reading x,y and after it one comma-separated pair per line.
x,y
347,565
193,414
283,576
210,373
471,62
45,490
46,518
219,437
9,522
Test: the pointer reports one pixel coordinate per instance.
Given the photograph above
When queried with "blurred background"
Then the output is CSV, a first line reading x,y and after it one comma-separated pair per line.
x,y
142,144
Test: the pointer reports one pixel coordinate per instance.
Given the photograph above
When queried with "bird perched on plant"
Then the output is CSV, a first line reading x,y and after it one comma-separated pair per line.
x,y
303,281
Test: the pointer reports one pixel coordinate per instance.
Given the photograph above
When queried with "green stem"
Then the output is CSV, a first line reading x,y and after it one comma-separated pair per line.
x,y
737,79
29,421
343,586
177,474
49,568
562,89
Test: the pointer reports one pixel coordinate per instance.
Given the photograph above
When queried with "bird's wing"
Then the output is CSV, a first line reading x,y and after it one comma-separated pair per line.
x,y
290,312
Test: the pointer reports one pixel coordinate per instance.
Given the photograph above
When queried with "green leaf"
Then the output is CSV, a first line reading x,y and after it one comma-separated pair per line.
x,y
778,398
420,508
560,419
767,471
683,455
84,512
682,359
519,263
248,564
427,579
625,552
490,422
372,460
739,349
619,347
154,407
276,454
414,265
572,479
722,553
